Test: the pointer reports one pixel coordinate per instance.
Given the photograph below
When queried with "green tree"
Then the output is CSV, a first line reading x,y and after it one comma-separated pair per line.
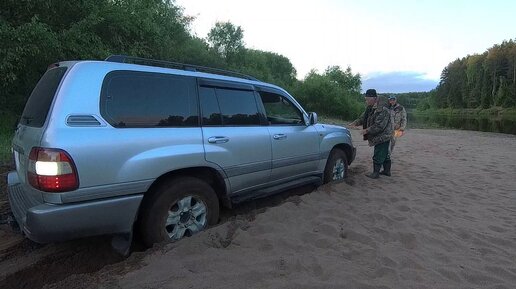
x,y
411,100
345,79
456,83
503,97
226,39
480,80
25,53
474,74
511,71
440,97
266,66
492,66
36,33
335,93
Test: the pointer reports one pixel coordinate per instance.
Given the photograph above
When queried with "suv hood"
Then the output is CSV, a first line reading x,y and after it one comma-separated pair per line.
x,y
331,128
327,129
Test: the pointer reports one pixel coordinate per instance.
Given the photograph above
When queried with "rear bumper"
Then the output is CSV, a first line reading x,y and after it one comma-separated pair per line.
x,y
45,223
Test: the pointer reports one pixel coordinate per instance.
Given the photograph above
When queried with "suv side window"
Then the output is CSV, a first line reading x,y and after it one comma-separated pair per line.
x,y
228,107
146,99
210,107
279,110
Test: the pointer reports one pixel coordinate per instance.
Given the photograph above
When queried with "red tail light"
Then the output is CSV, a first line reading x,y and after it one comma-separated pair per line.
x,y
52,170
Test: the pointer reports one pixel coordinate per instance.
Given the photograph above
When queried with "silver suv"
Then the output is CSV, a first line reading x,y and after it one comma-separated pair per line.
x,y
131,144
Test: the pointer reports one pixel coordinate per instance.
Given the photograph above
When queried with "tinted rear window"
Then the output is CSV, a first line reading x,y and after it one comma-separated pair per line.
x,y
38,105
228,107
238,107
144,99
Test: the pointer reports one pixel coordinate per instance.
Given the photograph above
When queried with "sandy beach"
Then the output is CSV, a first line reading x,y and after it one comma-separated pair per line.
x,y
445,219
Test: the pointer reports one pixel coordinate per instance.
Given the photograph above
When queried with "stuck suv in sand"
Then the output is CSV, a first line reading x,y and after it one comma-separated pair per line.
x,y
107,147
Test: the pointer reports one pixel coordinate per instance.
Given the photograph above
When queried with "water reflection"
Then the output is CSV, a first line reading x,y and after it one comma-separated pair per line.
x,y
493,124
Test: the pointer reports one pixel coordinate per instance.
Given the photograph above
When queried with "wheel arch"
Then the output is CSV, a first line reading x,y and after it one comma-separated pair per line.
x,y
346,148
166,187
207,174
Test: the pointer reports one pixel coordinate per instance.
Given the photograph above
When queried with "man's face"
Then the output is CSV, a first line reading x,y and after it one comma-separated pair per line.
x,y
392,101
370,100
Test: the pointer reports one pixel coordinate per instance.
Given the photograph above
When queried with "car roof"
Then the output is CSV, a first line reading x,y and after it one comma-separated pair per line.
x,y
158,69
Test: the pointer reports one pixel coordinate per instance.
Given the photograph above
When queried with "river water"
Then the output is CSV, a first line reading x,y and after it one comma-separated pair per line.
x,y
484,123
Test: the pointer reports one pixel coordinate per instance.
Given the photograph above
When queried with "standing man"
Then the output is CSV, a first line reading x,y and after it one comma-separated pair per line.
x,y
377,129
399,118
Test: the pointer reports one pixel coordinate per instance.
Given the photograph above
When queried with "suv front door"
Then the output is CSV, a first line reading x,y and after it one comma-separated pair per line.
x,y
295,146
234,137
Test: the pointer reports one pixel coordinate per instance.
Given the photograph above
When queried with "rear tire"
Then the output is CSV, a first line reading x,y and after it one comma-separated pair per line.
x,y
336,167
179,207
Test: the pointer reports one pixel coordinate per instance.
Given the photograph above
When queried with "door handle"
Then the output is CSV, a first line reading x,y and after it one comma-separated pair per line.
x,y
279,136
218,139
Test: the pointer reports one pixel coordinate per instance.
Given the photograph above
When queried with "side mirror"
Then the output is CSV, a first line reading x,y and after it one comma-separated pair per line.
x,y
312,117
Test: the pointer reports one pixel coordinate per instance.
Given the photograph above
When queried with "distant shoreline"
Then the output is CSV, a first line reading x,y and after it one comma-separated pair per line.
x,y
469,112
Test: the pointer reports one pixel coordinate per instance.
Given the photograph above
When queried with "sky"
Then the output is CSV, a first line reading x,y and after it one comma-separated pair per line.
x,y
396,46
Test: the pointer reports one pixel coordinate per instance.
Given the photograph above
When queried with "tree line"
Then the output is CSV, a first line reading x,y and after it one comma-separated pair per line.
x,y
410,100
477,81
36,33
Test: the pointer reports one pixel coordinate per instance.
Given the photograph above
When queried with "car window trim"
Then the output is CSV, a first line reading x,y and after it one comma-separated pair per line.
x,y
283,95
223,84
255,103
114,73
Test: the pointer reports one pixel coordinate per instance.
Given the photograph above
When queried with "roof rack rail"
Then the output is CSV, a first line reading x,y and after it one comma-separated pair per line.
x,y
176,65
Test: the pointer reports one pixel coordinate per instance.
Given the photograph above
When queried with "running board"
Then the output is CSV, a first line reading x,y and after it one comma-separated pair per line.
x,y
265,192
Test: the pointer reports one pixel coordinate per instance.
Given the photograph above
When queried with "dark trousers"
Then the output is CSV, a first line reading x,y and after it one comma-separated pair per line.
x,y
381,153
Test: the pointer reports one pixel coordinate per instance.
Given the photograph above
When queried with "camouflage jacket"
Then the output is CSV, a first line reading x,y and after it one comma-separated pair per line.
x,y
378,123
399,116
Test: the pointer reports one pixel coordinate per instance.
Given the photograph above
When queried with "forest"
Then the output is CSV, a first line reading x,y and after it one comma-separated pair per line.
x,y
36,33
479,81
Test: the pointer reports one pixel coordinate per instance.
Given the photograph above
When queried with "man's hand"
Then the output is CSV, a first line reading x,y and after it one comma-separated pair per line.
x,y
363,132
352,126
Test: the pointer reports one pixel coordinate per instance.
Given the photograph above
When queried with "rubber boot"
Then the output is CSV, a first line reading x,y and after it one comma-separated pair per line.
x,y
376,172
386,169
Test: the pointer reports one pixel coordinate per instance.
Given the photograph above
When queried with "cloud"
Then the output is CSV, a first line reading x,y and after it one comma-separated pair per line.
x,y
398,82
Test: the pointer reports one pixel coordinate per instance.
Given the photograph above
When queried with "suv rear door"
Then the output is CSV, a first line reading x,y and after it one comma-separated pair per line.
x,y
295,146
32,123
234,135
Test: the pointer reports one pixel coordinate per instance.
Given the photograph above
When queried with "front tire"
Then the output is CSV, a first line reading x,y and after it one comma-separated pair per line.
x,y
177,208
336,167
